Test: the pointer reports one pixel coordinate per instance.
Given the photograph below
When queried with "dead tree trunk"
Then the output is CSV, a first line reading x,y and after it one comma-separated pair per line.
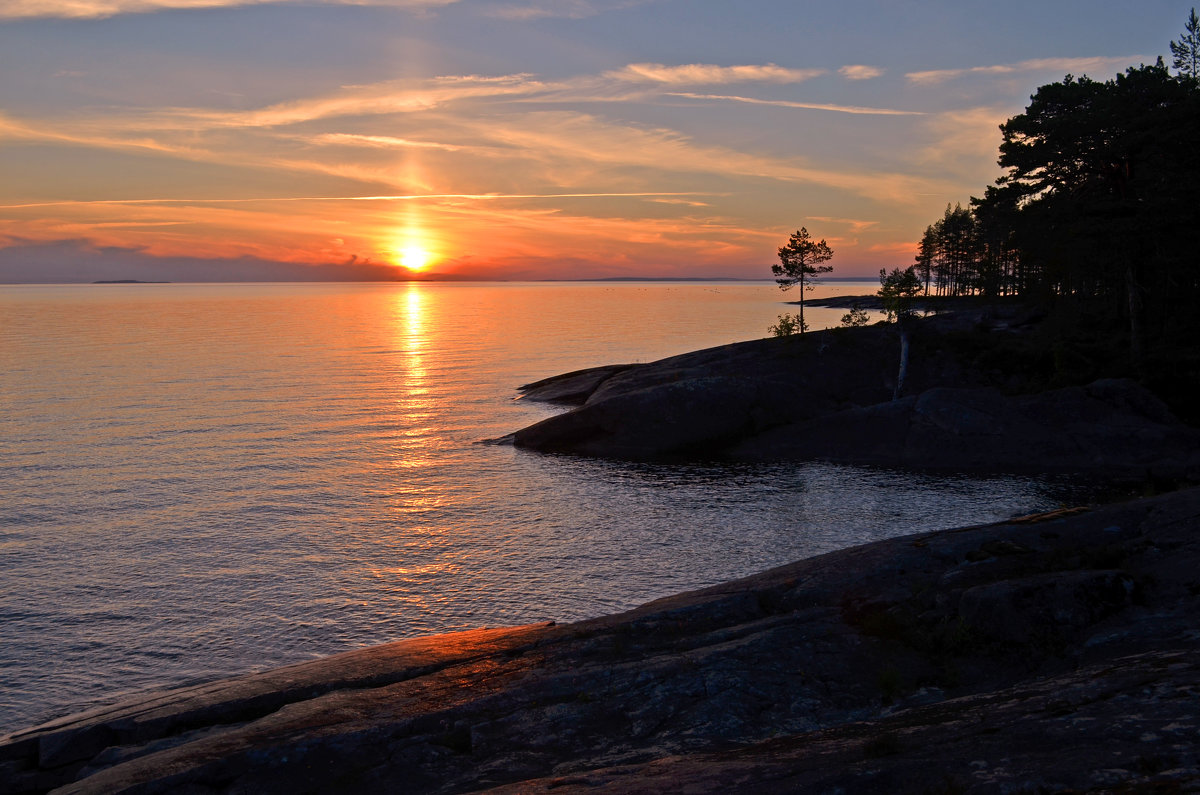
x,y
902,323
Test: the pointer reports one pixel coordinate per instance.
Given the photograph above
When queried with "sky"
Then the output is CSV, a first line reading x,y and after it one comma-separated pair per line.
x,y
227,140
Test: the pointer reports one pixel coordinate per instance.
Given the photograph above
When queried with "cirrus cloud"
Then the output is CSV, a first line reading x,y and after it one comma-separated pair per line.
x,y
1061,65
100,9
703,73
860,72
783,103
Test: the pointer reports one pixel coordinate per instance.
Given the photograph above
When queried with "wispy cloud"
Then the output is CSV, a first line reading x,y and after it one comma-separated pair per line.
x,y
965,142
118,134
855,224
563,9
517,233
381,141
134,224
570,9
386,198
456,152
684,202
782,103
703,73
1101,65
900,252
498,151
572,147
860,72
99,9
394,96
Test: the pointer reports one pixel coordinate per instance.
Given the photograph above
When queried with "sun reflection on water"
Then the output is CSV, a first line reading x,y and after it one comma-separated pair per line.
x,y
297,474
416,439
411,313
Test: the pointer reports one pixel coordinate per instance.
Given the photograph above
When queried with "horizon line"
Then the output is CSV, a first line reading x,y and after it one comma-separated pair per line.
x,y
431,278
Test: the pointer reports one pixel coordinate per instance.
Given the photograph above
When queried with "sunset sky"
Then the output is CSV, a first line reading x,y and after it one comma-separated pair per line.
x,y
263,139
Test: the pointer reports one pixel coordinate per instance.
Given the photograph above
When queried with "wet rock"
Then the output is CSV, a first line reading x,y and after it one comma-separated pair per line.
x,y
692,417
700,403
571,388
1114,427
828,396
1058,652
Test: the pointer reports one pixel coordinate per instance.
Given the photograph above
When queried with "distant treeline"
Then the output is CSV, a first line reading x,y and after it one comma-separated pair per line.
x,y
1100,202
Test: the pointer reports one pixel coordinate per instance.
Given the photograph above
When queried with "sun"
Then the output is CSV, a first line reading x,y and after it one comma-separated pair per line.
x,y
414,258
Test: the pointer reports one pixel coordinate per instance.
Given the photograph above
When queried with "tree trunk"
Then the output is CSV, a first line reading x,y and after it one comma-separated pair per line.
x,y
903,358
803,286
1136,333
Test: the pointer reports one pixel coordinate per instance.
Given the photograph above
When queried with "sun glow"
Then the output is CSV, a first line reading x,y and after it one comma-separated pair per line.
x,y
414,258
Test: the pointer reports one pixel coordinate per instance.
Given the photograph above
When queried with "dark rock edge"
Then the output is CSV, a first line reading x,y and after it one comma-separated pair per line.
x,y
831,396
1053,653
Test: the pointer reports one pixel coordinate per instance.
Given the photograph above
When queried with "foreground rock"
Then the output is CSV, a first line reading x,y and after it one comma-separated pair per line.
x,y
1111,426
1053,653
829,395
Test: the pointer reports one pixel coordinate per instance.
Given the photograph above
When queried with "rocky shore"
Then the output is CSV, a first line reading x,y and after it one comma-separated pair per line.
x,y
1052,653
966,404
1049,653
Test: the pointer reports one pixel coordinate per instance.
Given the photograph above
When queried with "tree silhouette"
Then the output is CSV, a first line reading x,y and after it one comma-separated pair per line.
x,y
1186,51
1095,220
927,254
1105,176
897,291
800,264
1095,213
958,244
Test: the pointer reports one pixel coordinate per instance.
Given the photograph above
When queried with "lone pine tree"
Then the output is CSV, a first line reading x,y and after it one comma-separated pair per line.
x,y
800,263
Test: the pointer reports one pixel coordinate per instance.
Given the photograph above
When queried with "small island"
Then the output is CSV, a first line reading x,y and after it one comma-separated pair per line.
x,y
981,394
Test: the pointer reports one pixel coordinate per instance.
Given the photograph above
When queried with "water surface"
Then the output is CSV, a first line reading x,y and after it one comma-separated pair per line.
x,y
201,480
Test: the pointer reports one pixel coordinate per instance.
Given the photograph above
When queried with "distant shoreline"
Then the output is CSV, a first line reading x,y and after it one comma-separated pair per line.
x,y
454,279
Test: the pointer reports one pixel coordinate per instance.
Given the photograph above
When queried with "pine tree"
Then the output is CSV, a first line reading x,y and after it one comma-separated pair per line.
x,y
927,253
958,256
800,263
1187,49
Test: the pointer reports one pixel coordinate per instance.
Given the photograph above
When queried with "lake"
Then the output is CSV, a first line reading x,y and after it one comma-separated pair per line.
x,y
199,480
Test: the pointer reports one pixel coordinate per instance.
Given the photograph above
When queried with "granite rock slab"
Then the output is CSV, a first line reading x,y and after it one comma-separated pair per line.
x,y
1055,652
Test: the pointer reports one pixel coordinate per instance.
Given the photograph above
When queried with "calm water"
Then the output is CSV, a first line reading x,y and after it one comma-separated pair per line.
x,y
200,480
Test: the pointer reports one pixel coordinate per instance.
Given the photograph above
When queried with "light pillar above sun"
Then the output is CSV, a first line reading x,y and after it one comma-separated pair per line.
x,y
412,247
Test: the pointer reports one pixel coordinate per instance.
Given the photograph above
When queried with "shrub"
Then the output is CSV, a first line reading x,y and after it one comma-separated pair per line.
x,y
855,317
788,325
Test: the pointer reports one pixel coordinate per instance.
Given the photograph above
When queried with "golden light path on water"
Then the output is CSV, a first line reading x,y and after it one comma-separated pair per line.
x,y
200,480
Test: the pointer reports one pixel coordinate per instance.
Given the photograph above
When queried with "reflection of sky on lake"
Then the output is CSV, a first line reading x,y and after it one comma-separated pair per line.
x,y
203,479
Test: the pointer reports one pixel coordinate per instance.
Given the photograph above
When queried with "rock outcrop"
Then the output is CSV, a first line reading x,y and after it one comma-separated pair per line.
x,y
1111,426
829,395
1052,653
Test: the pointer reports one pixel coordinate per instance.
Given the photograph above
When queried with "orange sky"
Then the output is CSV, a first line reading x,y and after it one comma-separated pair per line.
x,y
501,140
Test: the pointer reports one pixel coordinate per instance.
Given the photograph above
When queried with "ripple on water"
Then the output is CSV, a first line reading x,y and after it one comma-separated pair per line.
x,y
201,480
